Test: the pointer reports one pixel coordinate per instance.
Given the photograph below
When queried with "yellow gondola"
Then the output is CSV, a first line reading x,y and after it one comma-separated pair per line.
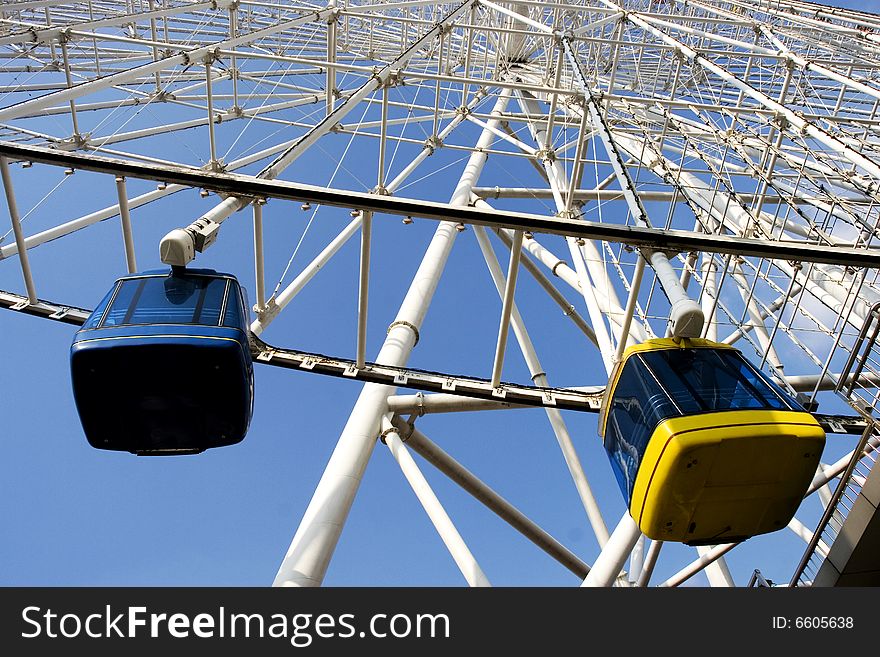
x,y
706,449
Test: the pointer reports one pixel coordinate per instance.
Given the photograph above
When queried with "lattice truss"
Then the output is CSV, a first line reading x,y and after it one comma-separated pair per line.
x,y
747,122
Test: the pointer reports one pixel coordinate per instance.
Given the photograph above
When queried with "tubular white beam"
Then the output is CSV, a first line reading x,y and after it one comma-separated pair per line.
x,y
806,535
625,335
259,266
363,289
560,430
567,309
465,561
33,106
717,572
810,382
313,544
636,561
685,315
610,561
709,269
16,230
506,306
650,562
125,217
705,559
274,305
180,245
432,453
422,404
210,100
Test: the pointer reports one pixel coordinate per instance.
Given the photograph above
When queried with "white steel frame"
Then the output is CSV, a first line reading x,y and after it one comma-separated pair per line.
x,y
712,168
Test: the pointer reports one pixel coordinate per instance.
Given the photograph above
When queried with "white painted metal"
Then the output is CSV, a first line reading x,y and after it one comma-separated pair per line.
x,y
432,453
363,288
125,216
313,544
745,122
259,265
615,553
16,228
539,377
507,306
468,566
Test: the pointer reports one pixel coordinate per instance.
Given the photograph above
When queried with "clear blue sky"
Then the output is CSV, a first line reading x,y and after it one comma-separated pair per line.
x,y
73,515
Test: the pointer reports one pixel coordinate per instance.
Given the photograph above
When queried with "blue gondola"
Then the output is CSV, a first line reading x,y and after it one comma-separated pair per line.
x,y
163,364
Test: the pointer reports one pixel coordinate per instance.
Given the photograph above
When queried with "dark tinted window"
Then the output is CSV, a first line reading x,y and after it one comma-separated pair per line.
x,y
637,407
235,309
168,300
705,380
98,312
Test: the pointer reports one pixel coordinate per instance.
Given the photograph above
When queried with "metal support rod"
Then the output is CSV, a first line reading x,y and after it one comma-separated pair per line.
x,y
708,298
696,566
554,100
507,306
567,309
259,267
717,572
754,312
383,142
178,246
125,217
330,84
806,534
69,80
557,423
155,37
364,288
650,562
432,453
209,92
578,168
313,544
831,507
276,304
437,94
465,561
636,561
310,270
610,561
424,404
781,310
35,105
233,63
630,308
16,229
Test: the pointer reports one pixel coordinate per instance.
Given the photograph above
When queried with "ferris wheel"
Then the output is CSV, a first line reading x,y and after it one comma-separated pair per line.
x,y
442,209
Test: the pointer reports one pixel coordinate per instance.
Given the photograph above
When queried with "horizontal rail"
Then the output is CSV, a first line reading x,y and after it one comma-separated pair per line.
x,y
562,398
511,394
248,186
